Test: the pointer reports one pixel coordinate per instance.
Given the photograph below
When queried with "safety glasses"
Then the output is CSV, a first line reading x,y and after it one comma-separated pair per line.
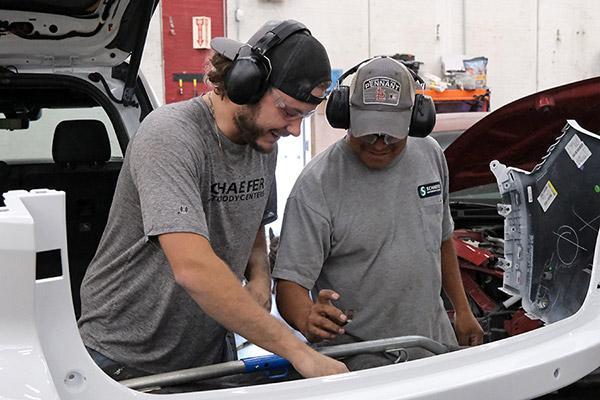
x,y
288,112
371,139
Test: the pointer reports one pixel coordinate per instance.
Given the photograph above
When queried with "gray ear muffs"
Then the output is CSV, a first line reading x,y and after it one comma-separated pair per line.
x,y
338,106
422,119
247,79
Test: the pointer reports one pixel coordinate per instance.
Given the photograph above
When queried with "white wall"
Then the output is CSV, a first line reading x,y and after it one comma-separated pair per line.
x,y
506,33
569,33
518,36
531,44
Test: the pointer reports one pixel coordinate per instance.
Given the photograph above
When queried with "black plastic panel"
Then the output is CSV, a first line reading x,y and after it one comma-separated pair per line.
x,y
48,264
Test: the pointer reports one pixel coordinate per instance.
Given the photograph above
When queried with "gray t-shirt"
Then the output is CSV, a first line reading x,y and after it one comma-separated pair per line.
x,y
374,236
180,174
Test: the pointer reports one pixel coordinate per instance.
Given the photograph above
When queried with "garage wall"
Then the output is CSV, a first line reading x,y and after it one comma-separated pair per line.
x,y
508,40
169,54
152,65
426,29
518,36
182,62
531,44
569,36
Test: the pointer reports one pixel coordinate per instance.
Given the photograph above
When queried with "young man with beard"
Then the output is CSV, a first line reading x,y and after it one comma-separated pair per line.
x,y
185,229
371,213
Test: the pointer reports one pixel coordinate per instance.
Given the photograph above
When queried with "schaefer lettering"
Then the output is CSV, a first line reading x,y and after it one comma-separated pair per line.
x,y
237,191
430,189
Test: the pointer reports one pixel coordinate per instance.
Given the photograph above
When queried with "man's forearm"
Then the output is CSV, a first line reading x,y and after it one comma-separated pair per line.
x,y
258,266
258,263
258,273
319,320
451,279
210,282
293,303
467,329
234,308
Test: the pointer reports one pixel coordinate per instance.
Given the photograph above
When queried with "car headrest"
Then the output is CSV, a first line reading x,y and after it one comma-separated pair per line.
x,y
80,141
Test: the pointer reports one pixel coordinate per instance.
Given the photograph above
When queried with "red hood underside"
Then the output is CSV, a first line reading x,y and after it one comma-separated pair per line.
x,y
519,133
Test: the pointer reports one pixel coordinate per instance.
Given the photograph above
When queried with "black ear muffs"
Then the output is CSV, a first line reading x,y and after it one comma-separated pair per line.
x,y
337,110
338,107
248,76
422,119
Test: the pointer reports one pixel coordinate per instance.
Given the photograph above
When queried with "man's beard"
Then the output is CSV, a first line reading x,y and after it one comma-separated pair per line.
x,y
249,131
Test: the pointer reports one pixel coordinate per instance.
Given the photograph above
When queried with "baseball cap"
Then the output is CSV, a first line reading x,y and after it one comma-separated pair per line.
x,y
299,63
382,94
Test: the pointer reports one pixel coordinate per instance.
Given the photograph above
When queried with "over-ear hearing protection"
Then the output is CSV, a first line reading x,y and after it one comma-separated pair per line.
x,y
338,106
248,76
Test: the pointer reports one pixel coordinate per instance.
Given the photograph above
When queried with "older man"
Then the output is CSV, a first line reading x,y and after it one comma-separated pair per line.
x,y
367,227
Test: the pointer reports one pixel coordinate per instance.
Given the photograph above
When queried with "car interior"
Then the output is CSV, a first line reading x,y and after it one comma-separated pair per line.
x,y
58,138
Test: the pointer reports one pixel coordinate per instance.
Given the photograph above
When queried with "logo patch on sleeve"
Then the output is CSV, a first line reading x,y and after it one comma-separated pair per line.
x,y
429,189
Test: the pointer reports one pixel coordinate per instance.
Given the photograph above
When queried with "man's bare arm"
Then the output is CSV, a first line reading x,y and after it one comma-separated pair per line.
x,y
210,282
258,272
317,321
468,330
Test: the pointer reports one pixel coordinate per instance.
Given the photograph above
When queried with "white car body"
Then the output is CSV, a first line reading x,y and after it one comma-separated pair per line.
x,y
43,357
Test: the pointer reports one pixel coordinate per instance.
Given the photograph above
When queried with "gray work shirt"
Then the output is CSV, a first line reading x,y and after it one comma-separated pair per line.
x,y
180,174
373,236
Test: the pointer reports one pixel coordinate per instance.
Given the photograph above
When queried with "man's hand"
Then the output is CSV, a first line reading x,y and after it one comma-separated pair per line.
x,y
260,290
468,330
314,364
324,321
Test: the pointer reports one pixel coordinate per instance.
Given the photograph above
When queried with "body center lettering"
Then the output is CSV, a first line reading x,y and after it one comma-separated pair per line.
x,y
238,190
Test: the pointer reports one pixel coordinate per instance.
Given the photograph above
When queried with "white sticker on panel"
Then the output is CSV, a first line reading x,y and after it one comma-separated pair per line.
x,y
578,151
547,196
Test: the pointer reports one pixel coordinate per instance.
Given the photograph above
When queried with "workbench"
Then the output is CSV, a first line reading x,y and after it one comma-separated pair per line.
x,y
457,100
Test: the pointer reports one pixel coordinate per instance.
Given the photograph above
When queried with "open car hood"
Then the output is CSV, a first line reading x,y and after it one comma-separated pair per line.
x,y
519,133
65,33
